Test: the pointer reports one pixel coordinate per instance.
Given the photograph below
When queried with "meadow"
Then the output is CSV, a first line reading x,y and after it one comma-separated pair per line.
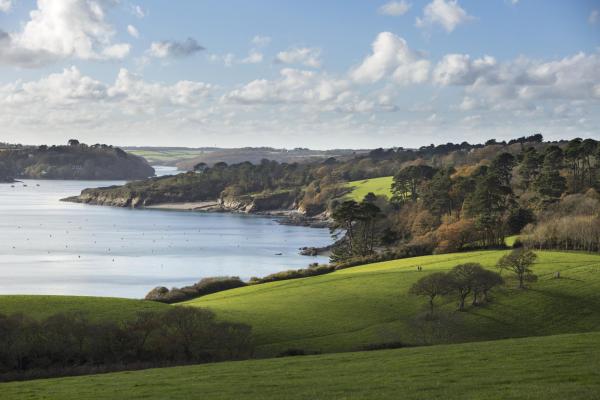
x,y
95,308
368,305
377,186
552,367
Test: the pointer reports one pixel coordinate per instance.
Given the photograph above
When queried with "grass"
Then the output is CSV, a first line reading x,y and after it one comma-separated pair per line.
x,y
378,186
356,307
548,368
95,307
510,240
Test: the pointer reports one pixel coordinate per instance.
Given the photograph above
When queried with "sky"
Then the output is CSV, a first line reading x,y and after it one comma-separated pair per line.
x,y
317,74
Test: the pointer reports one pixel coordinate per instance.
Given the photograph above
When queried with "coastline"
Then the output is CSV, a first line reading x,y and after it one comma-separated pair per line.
x,y
282,216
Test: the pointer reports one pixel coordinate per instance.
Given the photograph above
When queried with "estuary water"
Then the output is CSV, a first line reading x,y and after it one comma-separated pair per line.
x,y
52,247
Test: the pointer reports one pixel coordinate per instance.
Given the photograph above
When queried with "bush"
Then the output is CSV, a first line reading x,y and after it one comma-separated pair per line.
x,y
202,288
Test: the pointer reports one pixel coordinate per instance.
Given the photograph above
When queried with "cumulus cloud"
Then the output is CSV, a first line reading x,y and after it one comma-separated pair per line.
x,y
395,8
446,13
391,57
459,69
261,41
593,18
293,86
308,56
521,84
71,87
5,5
132,30
176,49
62,29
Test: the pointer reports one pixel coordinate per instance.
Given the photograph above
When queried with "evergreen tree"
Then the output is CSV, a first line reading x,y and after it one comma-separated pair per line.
x,y
502,166
550,184
437,194
530,166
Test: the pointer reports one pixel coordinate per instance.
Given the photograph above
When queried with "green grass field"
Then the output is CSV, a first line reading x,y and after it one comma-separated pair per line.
x,y
379,186
94,307
548,368
366,305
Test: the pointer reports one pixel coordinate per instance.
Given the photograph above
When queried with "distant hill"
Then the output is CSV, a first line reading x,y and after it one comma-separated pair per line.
x,y
73,161
186,158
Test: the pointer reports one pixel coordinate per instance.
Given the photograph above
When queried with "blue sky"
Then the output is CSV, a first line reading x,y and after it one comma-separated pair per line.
x,y
288,73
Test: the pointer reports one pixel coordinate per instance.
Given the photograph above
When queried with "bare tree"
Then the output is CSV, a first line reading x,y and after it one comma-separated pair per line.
x,y
431,286
463,281
519,262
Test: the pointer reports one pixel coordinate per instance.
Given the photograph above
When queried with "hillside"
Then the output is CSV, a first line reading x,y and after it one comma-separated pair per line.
x,y
186,158
378,186
97,308
75,161
367,305
553,367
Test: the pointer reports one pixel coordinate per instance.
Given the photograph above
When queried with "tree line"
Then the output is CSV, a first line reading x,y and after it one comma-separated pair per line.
x,y
72,343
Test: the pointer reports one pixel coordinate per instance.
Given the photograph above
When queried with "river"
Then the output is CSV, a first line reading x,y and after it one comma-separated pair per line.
x,y
52,247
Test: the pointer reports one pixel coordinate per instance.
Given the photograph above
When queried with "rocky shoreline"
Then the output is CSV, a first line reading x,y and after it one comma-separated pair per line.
x,y
285,216
281,206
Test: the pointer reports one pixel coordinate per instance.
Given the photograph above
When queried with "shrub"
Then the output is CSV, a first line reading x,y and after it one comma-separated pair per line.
x,y
202,288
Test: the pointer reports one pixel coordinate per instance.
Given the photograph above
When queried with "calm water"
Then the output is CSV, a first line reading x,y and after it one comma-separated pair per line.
x,y
51,247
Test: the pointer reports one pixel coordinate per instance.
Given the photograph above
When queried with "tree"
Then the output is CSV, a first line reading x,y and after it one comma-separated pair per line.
x,y
519,262
431,286
463,281
200,167
405,186
485,280
550,184
73,142
344,217
502,166
437,193
487,204
529,168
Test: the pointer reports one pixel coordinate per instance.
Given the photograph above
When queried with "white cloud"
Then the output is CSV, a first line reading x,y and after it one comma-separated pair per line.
x,y
395,8
131,88
261,41
138,11
446,13
62,29
71,87
522,85
132,30
172,48
308,56
5,5
593,18
229,59
392,57
459,69
293,86
254,57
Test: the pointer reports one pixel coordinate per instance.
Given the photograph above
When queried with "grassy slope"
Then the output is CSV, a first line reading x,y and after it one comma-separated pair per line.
x,y
554,367
95,307
379,186
351,308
